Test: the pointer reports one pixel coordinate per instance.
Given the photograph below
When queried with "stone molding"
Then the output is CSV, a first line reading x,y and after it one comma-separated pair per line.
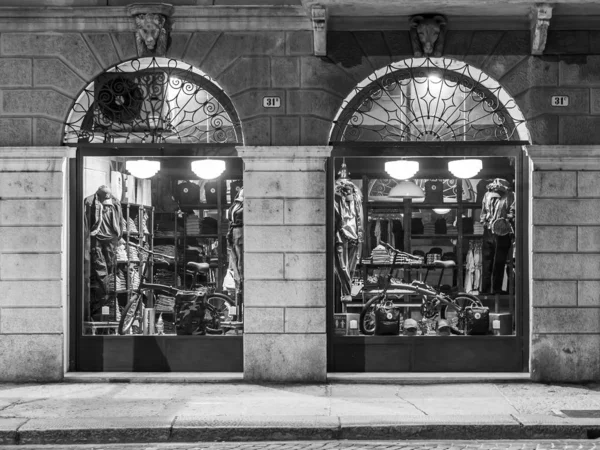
x,y
27,153
564,157
541,13
284,153
184,18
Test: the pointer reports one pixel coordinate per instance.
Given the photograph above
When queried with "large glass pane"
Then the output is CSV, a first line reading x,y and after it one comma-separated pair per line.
x,y
432,255
162,248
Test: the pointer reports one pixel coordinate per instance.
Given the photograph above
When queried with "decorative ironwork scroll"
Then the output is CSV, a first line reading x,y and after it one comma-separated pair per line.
x,y
153,100
429,99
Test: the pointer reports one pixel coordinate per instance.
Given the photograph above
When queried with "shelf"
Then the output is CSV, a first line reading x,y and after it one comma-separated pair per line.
x,y
204,235
205,206
128,261
137,205
434,236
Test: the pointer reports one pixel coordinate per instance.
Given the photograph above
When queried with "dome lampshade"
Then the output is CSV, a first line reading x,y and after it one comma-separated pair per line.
x,y
407,189
142,168
207,169
402,170
465,168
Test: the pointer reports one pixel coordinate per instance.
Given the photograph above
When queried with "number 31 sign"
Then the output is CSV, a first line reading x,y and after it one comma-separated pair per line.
x,y
560,100
271,102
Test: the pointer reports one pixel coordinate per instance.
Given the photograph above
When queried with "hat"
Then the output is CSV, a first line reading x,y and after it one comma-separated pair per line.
x,y
443,329
499,184
410,324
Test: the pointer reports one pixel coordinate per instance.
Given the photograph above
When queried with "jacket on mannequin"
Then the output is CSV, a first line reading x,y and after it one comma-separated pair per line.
x,y
498,205
348,231
102,230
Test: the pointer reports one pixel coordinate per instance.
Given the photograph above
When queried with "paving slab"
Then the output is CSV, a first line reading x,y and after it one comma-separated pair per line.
x,y
90,430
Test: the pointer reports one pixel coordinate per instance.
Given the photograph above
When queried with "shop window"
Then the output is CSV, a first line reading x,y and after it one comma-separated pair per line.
x,y
433,255
163,251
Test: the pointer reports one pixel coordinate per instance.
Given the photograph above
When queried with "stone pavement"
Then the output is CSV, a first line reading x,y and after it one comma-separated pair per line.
x,y
66,413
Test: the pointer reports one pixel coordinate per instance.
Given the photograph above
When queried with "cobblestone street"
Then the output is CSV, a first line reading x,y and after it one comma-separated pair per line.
x,y
335,445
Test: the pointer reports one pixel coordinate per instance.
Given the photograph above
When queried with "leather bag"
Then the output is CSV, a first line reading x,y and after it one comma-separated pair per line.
x,y
387,320
477,320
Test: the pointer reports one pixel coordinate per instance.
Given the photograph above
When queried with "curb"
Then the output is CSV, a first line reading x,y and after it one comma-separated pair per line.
x,y
32,433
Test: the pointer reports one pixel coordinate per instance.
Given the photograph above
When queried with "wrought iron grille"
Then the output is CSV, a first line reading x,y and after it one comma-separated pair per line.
x,y
153,100
428,99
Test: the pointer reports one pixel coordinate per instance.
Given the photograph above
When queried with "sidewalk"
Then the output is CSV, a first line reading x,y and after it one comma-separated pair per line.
x,y
186,412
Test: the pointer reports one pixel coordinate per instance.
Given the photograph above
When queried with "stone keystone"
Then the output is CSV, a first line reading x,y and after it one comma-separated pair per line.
x,y
151,21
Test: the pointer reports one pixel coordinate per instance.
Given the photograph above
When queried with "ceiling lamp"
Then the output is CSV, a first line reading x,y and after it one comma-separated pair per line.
x,y
407,189
402,170
441,211
142,168
207,169
465,168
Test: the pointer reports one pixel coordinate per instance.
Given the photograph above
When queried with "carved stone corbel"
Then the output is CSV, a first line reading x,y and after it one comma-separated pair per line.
x,y
318,15
152,27
541,13
428,34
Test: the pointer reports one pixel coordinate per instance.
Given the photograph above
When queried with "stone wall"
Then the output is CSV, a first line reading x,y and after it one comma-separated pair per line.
x,y
565,293
285,257
32,264
41,75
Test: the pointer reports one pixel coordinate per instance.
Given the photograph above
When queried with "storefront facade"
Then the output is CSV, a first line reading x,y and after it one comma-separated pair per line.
x,y
288,72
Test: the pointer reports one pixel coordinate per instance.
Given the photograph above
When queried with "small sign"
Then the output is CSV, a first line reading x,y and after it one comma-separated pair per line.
x,y
271,102
560,100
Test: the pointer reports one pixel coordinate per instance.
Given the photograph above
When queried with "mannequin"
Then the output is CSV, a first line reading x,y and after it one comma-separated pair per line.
x,y
102,228
235,239
497,217
348,231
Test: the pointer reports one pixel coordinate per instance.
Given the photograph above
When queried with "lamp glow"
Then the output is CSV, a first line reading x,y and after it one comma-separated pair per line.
x,y
208,169
142,168
407,189
402,170
465,168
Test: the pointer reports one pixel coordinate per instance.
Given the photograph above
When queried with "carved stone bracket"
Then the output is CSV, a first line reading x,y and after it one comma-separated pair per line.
x,y
427,34
152,27
541,13
318,15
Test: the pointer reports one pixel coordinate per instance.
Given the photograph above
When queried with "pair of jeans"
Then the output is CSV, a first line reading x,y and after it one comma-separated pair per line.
x,y
236,255
347,254
104,258
494,254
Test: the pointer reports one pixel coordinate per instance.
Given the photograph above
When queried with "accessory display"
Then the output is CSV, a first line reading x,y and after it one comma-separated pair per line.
x,y
387,320
477,320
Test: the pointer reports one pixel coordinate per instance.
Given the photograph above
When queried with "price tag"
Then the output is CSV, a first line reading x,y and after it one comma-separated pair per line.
x,y
271,102
105,310
496,324
560,100
233,310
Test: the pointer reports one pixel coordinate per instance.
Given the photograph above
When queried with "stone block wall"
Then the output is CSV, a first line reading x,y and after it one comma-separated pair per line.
x,y
285,263
32,264
565,293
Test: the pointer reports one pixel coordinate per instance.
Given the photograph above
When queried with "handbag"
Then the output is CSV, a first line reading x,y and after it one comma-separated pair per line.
x,y
229,281
501,226
387,320
477,320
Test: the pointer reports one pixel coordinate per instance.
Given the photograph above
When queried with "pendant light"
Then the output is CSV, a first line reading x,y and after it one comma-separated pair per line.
x,y
465,168
142,168
207,169
407,189
402,170
441,211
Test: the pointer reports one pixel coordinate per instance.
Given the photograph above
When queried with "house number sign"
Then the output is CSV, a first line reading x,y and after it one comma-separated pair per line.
x,y
271,102
560,100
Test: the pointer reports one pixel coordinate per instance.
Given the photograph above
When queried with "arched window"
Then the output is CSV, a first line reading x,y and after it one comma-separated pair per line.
x,y
429,99
153,100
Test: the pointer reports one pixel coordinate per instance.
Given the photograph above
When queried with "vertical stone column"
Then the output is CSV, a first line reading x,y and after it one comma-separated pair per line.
x,y
32,263
565,291
284,263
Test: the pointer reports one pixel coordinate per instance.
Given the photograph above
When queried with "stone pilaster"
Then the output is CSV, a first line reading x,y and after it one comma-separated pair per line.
x,y
285,263
565,290
33,262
